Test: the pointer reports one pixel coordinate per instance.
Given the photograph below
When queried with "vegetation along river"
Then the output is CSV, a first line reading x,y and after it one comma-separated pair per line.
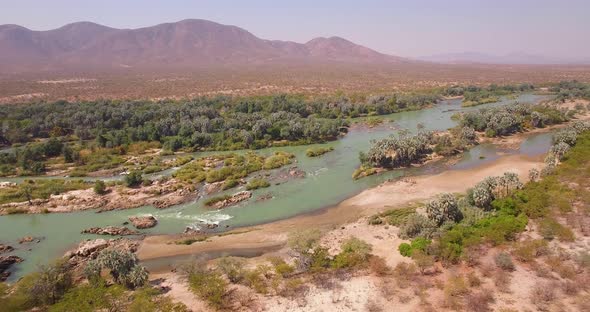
x,y
327,182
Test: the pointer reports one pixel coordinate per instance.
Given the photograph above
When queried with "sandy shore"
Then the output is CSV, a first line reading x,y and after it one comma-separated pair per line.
x,y
385,196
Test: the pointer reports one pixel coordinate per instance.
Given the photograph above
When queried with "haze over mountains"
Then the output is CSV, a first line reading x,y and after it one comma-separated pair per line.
x,y
510,58
188,43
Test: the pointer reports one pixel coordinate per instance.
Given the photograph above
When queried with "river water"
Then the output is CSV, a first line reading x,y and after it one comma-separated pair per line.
x,y
328,181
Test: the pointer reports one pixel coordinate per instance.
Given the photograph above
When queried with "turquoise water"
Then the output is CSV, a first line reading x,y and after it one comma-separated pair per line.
x,y
328,181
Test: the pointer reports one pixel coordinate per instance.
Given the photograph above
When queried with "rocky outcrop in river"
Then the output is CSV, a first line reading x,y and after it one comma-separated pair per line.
x,y
143,222
234,199
5,248
5,264
110,230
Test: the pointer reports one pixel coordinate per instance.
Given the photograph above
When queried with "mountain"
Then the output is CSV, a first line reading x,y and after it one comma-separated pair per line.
x,y
510,58
188,43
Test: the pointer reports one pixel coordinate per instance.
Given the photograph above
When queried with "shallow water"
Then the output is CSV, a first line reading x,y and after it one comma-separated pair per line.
x,y
328,181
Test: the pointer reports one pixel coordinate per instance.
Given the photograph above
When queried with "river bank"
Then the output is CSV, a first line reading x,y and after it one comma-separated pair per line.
x,y
386,196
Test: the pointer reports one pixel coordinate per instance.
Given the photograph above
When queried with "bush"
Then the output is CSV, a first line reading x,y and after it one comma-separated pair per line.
x,y
419,243
100,187
257,183
211,201
304,241
233,268
318,151
417,225
122,265
354,252
209,286
504,261
134,178
281,267
378,266
443,209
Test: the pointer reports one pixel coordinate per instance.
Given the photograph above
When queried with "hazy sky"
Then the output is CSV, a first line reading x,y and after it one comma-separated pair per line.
x,y
559,28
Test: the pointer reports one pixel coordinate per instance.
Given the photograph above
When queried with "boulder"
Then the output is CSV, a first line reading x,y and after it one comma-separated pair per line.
x,y
5,248
87,248
29,239
191,231
110,230
6,263
143,222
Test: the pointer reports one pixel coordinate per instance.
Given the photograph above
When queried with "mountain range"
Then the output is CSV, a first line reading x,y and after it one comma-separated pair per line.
x,y
188,43
510,58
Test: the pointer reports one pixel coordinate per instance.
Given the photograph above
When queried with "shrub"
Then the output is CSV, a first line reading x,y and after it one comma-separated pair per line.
x,y
134,178
281,267
417,225
504,261
542,296
257,183
304,241
422,260
378,266
211,201
527,251
122,265
230,183
442,209
100,187
318,151
418,243
233,268
354,252
209,286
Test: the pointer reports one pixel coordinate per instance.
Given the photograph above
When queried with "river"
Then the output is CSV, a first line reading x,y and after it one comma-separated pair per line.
x,y
328,181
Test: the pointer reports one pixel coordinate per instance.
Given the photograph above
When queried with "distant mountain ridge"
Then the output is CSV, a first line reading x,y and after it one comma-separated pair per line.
x,y
510,58
186,43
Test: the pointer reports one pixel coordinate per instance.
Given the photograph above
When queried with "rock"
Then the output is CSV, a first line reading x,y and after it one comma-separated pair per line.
x,y
29,239
6,263
110,230
234,199
144,222
296,172
87,248
7,184
191,231
213,187
211,226
5,248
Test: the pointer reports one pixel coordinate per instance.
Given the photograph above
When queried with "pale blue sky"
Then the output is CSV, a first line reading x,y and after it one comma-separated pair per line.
x,y
559,28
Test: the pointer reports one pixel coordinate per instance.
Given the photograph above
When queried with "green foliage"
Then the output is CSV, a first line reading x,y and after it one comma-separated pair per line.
x,y
40,289
209,286
213,200
354,252
417,225
257,183
277,160
304,241
32,189
508,119
122,265
233,268
100,187
419,243
443,209
399,151
134,178
318,151
90,298
230,183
